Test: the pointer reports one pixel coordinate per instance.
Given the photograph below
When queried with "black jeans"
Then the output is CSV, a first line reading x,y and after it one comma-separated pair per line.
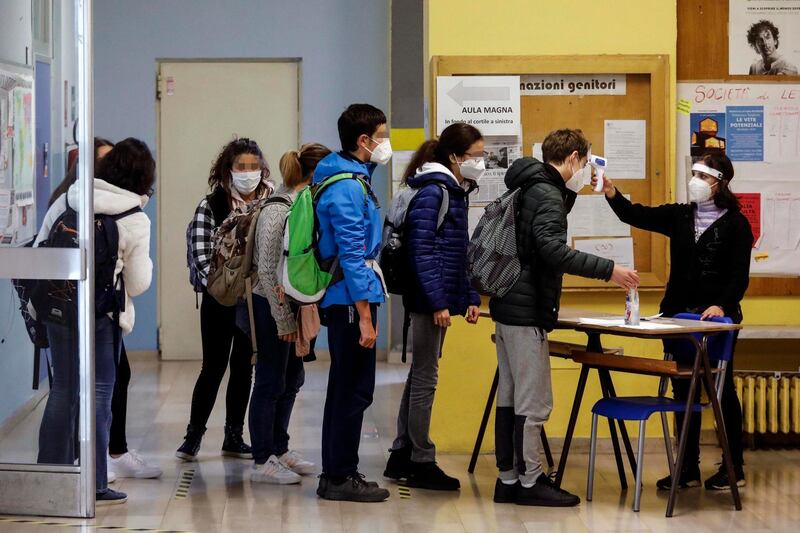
x,y
731,416
223,342
118,444
351,383
279,376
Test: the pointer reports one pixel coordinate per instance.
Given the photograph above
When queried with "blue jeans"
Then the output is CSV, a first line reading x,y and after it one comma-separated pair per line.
x,y
57,432
279,376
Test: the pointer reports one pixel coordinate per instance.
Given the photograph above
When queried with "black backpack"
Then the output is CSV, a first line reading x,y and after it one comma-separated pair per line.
x,y
55,301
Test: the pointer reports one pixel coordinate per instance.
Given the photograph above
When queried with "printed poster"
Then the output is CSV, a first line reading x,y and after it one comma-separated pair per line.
x,y
764,37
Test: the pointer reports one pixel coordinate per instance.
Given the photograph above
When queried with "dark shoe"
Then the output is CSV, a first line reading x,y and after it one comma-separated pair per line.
x,y
352,489
505,493
323,485
545,494
110,497
191,443
234,445
720,481
690,478
364,479
429,476
399,463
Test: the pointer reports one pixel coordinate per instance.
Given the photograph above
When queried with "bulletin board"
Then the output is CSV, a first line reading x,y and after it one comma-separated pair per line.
x,y
703,62
645,99
17,172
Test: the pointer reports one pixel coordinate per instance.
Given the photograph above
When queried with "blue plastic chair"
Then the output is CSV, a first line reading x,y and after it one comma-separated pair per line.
x,y
720,349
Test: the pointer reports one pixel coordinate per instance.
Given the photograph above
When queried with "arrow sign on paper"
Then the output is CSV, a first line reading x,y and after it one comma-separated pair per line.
x,y
461,93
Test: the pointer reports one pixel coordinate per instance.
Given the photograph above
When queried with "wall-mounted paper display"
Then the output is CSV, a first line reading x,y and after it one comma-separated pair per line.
x,y
764,37
490,103
572,84
625,143
618,250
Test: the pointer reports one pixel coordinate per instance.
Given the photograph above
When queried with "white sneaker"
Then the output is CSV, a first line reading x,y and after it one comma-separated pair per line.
x,y
131,464
295,462
273,471
110,475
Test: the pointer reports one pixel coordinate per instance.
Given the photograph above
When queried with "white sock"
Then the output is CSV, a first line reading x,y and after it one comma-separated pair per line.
x,y
509,481
528,485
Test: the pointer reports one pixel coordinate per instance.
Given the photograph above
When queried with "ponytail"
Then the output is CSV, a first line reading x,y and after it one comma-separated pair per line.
x,y
297,166
424,154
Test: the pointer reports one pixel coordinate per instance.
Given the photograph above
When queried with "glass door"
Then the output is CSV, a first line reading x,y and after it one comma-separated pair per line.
x,y
47,442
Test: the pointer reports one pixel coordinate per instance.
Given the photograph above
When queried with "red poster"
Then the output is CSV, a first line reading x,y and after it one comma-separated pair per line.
x,y
751,208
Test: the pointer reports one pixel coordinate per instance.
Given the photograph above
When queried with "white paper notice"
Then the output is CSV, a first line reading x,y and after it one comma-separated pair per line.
x,y
536,150
400,161
592,217
490,103
625,145
619,250
474,215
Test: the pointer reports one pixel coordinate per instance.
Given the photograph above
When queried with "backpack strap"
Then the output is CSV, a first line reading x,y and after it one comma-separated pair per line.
x,y
444,207
127,213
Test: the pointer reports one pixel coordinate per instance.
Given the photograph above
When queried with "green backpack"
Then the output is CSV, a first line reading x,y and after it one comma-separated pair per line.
x,y
304,275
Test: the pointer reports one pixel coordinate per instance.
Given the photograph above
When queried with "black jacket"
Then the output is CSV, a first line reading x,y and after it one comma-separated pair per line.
x,y
713,271
542,243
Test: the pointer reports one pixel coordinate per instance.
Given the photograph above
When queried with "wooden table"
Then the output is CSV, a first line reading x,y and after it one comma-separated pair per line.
x,y
701,370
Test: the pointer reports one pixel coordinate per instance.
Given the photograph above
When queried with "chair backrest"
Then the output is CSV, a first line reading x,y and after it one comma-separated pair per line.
x,y
720,346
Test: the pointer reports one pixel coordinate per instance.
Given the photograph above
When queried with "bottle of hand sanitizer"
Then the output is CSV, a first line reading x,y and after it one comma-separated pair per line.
x,y
632,308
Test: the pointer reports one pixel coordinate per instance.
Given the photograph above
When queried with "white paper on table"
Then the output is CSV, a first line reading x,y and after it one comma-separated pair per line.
x,y
625,145
605,322
591,216
653,325
619,250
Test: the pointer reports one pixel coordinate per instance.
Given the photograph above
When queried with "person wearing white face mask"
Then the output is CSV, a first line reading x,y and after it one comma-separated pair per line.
x,y
710,246
239,176
439,289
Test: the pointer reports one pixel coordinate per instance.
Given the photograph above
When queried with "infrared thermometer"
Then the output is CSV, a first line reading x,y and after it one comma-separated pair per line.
x,y
600,164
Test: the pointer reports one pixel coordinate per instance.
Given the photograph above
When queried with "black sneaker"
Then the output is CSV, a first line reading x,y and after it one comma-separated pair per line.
x,y
352,489
399,464
690,478
234,445
545,494
109,497
191,443
429,476
719,481
505,493
364,479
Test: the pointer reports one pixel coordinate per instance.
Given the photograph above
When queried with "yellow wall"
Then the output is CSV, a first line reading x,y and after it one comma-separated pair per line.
x,y
540,27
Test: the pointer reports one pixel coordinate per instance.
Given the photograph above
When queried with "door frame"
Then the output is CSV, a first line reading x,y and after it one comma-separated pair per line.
x,y
160,88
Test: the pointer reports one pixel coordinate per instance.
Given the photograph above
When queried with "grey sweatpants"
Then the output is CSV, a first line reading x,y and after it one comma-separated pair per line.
x,y
414,418
524,401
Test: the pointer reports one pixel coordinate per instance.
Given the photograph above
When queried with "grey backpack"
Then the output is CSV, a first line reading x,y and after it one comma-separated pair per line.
x,y
493,263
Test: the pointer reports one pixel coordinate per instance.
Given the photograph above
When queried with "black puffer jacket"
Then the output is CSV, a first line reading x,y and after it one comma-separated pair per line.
x,y
542,242
713,271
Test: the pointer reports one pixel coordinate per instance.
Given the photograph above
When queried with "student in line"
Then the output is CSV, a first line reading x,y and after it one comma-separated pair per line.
x,y
101,148
529,311
710,246
279,371
124,179
350,229
239,176
440,289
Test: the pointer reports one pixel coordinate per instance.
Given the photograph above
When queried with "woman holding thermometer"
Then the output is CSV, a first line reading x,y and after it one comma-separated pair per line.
x,y
710,245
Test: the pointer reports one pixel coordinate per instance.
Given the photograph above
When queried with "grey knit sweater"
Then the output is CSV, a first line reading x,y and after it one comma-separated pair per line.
x,y
267,256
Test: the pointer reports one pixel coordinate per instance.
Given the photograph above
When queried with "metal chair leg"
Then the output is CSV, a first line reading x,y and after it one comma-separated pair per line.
x,y
668,443
592,455
639,460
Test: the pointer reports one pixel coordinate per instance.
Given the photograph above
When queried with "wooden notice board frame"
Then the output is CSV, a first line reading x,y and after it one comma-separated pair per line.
x,y
703,56
647,98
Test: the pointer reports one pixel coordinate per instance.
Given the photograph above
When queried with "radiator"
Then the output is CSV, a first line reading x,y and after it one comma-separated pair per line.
x,y
770,402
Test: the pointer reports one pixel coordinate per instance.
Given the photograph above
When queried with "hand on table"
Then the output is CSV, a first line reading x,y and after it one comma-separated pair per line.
x,y
712,311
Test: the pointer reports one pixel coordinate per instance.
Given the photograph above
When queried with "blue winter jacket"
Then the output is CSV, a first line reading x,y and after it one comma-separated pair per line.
x,y
438,257
350,228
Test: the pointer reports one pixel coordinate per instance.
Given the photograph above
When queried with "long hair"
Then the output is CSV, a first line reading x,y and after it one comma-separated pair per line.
x,y
297,166
454,140
130,166
220,175
72,172
723,196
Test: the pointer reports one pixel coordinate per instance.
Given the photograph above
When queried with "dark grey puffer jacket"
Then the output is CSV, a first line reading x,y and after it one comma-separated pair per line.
x,y
542,243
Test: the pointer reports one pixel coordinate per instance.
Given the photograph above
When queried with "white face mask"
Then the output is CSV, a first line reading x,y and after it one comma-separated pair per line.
x,y
472,169
246,182
382,153
578,180
699,190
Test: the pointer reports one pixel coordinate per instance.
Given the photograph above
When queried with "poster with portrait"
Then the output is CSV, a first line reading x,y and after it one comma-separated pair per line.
x,y
764,37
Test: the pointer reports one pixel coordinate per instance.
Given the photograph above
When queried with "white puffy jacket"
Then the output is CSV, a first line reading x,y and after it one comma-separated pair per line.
x,y
134,238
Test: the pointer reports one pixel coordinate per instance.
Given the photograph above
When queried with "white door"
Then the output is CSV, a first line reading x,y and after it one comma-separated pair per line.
x,y
203,105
